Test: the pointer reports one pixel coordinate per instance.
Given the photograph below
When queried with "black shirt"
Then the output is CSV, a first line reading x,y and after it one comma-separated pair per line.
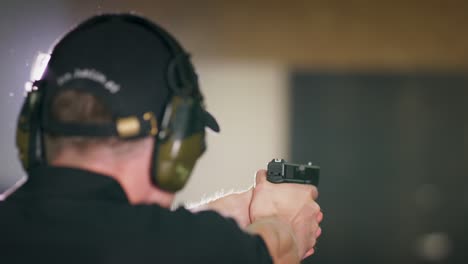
x,y
64,215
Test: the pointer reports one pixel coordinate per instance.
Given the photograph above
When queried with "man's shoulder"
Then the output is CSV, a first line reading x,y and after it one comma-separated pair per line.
x,y
177,236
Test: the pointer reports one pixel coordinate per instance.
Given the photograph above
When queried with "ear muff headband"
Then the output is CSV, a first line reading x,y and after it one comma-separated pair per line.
x,y
181,138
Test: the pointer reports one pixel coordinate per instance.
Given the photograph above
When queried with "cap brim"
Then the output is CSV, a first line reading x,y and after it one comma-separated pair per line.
x,y
211,122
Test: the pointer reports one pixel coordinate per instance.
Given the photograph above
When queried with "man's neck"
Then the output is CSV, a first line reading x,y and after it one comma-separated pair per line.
x,y
132,174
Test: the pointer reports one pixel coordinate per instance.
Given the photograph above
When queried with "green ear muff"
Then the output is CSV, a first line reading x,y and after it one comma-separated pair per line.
x,y
22,139
28,136
181,137
180,144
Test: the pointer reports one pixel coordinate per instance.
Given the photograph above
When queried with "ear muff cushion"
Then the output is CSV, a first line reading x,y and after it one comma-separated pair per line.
x,y
22,141
176,160
28,131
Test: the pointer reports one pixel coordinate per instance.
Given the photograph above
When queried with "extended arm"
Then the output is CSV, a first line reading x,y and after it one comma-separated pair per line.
x,y
234,205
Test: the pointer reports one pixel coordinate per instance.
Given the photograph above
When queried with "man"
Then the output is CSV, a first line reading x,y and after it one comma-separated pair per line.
x,y
108,135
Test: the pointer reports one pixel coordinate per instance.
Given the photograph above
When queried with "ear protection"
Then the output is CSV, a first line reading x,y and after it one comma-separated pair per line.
x,y
29,132
180,137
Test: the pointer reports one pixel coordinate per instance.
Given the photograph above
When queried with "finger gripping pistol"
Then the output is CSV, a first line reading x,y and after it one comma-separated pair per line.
x,y
280,171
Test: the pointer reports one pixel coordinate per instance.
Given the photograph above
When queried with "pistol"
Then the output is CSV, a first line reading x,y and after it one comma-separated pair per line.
x,y
280,171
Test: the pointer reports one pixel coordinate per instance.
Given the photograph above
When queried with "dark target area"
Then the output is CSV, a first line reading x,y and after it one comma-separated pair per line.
x,y
393,152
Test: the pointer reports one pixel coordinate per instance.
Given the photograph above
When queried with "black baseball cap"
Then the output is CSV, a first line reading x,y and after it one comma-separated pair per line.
x,y
122,59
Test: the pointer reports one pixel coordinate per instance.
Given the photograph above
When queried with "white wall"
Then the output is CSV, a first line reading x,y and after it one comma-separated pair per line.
x,y
250,101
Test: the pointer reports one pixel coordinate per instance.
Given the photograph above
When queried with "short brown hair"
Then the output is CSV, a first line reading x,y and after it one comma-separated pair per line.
x,y
78,107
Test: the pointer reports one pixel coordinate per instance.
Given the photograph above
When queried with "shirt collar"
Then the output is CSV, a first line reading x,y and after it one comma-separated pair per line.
x,y
71,183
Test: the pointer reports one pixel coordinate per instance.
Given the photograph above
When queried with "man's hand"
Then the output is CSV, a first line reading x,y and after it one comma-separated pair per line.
x,y
292,204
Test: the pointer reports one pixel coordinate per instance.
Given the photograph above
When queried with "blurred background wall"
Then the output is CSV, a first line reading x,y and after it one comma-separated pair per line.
x,y
254,60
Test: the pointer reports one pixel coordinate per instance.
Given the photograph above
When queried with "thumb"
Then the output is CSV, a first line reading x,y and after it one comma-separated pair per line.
x,y
261,176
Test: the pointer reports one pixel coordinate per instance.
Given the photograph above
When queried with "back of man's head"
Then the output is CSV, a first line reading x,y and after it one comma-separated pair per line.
x,y
112,82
